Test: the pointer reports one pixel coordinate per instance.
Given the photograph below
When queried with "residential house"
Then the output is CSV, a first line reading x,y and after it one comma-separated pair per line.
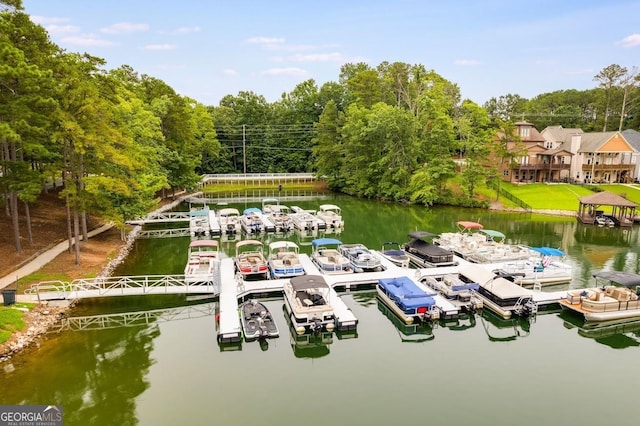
x,y
599,156
633,138
536,159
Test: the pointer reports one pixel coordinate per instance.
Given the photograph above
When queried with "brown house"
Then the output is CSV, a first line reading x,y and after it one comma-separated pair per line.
x,y
534,159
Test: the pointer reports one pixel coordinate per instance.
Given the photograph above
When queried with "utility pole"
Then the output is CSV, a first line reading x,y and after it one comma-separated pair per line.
x,y
244,149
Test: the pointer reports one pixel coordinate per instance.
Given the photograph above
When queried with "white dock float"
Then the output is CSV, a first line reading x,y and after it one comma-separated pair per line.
x,y
214,225
229,329
345,319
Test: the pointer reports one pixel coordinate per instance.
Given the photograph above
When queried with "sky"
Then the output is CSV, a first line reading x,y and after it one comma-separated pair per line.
x,y
208,49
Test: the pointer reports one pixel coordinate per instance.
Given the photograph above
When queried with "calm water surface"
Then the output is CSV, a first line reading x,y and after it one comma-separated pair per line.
x,y
163,366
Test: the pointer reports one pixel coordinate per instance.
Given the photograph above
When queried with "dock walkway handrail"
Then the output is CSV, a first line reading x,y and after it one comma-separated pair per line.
x,y
115,286
275,178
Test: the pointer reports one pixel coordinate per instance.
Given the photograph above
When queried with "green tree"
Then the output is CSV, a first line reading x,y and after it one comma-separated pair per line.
x,y
25,106
609,79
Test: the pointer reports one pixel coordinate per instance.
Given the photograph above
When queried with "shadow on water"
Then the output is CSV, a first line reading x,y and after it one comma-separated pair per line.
x,y
464,322
308,345
614,334
409,333
504,330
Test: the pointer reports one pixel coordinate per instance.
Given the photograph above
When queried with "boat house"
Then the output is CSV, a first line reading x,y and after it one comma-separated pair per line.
x,y
622,210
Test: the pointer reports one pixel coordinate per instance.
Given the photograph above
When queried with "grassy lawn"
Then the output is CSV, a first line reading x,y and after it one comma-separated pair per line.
x,y
630,193
549,197
11,320
39,276
221,188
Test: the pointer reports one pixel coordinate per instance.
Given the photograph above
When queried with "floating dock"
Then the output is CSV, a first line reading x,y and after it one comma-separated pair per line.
x,y
234,288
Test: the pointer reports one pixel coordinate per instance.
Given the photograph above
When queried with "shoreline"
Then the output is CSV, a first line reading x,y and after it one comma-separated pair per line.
x,y
40,319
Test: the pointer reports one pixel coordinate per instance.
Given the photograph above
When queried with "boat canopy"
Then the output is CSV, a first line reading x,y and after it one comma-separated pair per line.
x,y
494,235
248,243
305,282
252,210
228,211
626,279
325,242
329,207
469,225
421,234
199,212
548,251
276,245
203,243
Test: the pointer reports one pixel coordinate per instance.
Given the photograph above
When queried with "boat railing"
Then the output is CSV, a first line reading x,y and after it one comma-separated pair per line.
x,y
525,306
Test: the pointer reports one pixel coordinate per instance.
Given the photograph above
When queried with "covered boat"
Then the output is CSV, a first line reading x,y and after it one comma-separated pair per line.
x,y
426,254
325,254
229,219
308,304
394,253
408,301
499,294
331,215
616,297
257,321
251,221
202,261
284,260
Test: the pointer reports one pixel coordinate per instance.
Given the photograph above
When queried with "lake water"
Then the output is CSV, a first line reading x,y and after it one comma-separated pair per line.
x,y
163,365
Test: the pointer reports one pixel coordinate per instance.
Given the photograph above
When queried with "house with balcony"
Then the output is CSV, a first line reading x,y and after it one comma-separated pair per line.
x,y
606,157
534,159
633,138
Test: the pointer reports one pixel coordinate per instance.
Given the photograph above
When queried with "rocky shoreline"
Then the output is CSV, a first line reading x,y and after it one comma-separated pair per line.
x,y
44,316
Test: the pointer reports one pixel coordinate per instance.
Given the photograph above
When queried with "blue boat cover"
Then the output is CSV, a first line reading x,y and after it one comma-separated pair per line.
x,y
252,210
325,242
548,251
465,286
405,293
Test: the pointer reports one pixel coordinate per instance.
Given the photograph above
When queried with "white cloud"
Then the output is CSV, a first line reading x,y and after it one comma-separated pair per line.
x,y
62,29
265,40
87,40
124,27
229,72
291,71
630,41
160,47
44,20
466,62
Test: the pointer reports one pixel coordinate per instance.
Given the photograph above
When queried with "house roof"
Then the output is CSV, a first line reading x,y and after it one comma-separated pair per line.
x,y
593,142
559,133
556,152
607,198
633,137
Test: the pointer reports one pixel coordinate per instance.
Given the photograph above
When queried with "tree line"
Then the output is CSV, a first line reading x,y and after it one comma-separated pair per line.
x,y
396,131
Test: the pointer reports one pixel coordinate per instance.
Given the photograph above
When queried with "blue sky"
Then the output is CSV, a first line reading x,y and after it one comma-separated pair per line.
x,y
209,49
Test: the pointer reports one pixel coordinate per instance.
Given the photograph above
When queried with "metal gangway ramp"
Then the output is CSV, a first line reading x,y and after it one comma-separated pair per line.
x,y
121,286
